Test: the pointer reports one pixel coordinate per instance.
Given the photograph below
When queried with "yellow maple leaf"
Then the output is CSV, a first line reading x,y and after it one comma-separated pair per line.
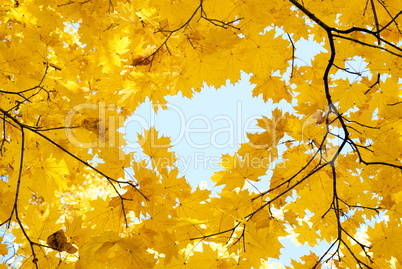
x,y
157,149
238,171
109,249
3,249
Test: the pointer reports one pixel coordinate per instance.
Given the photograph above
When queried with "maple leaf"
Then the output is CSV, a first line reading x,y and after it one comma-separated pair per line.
x,y
58,241
3,249
157,149
237,172
126,252
271,87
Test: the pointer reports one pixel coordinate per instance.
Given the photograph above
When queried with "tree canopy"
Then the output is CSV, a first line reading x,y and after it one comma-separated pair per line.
x,y
72,72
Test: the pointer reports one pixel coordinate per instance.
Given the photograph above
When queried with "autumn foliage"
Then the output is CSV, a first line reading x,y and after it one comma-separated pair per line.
x,y
72,71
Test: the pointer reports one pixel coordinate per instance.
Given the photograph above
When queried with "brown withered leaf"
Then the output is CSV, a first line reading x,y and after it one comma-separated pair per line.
x,y
58,241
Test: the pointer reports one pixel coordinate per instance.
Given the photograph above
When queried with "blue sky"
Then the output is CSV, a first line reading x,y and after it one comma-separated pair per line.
x,y
210,124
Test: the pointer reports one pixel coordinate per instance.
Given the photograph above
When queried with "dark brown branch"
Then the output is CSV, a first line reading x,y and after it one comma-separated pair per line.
x,y
360,124
293,55
376,209
310,15
393,20
216,22
288,180
377,82
377,25
40,129
17,192
348,71
368,45
360,263
39,86
394,104
170,33
249,216
318,263
218,233
364,30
